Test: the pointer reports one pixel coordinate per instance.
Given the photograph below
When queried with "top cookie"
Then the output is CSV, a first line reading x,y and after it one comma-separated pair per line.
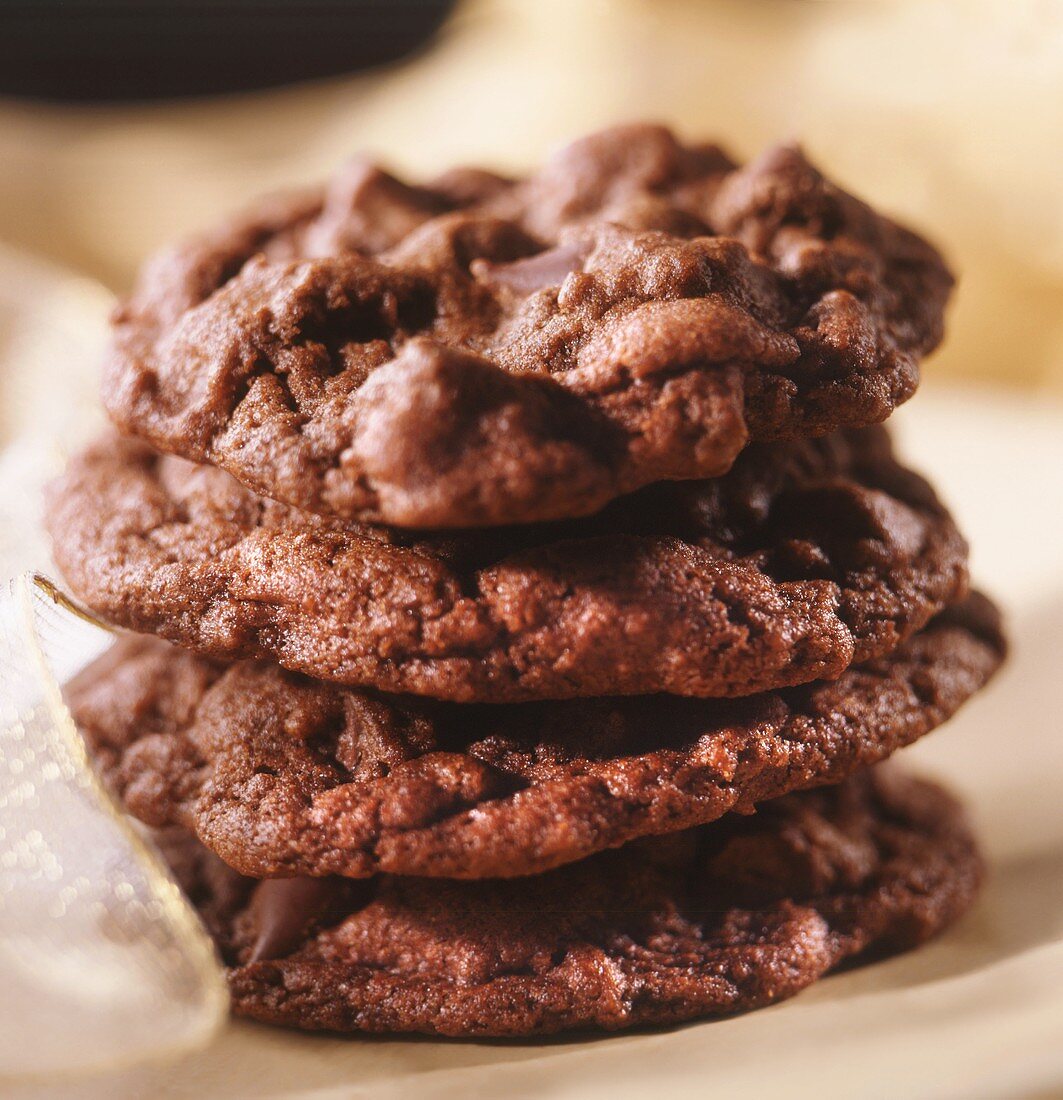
x,y
481,351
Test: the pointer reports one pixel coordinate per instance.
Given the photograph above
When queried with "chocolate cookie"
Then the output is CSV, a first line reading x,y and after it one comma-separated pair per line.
x,y
807,557
282,775
478,352
733,916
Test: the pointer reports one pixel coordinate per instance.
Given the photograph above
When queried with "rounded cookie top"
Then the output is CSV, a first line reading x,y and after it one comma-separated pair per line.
x,y
808,556
476,351
722,919
281,775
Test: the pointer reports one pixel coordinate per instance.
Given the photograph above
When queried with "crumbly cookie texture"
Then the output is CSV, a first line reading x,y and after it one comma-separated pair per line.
x,y
730,917
479,351
807,557
281,775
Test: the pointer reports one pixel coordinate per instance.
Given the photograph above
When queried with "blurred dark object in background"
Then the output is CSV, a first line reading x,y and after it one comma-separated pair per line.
x,y
151,49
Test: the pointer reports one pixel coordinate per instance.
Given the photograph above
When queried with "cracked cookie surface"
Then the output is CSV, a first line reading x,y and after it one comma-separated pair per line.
x,y
807,557
478,351
722,919
281,775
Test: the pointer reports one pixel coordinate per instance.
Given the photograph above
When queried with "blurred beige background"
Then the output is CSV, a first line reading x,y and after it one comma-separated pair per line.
x,y
948,113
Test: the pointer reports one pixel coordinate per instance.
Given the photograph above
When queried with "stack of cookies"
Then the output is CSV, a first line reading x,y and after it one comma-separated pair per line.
x,y
533,595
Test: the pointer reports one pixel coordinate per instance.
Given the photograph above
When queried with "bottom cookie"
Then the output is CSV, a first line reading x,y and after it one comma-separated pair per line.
x,y
721,919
